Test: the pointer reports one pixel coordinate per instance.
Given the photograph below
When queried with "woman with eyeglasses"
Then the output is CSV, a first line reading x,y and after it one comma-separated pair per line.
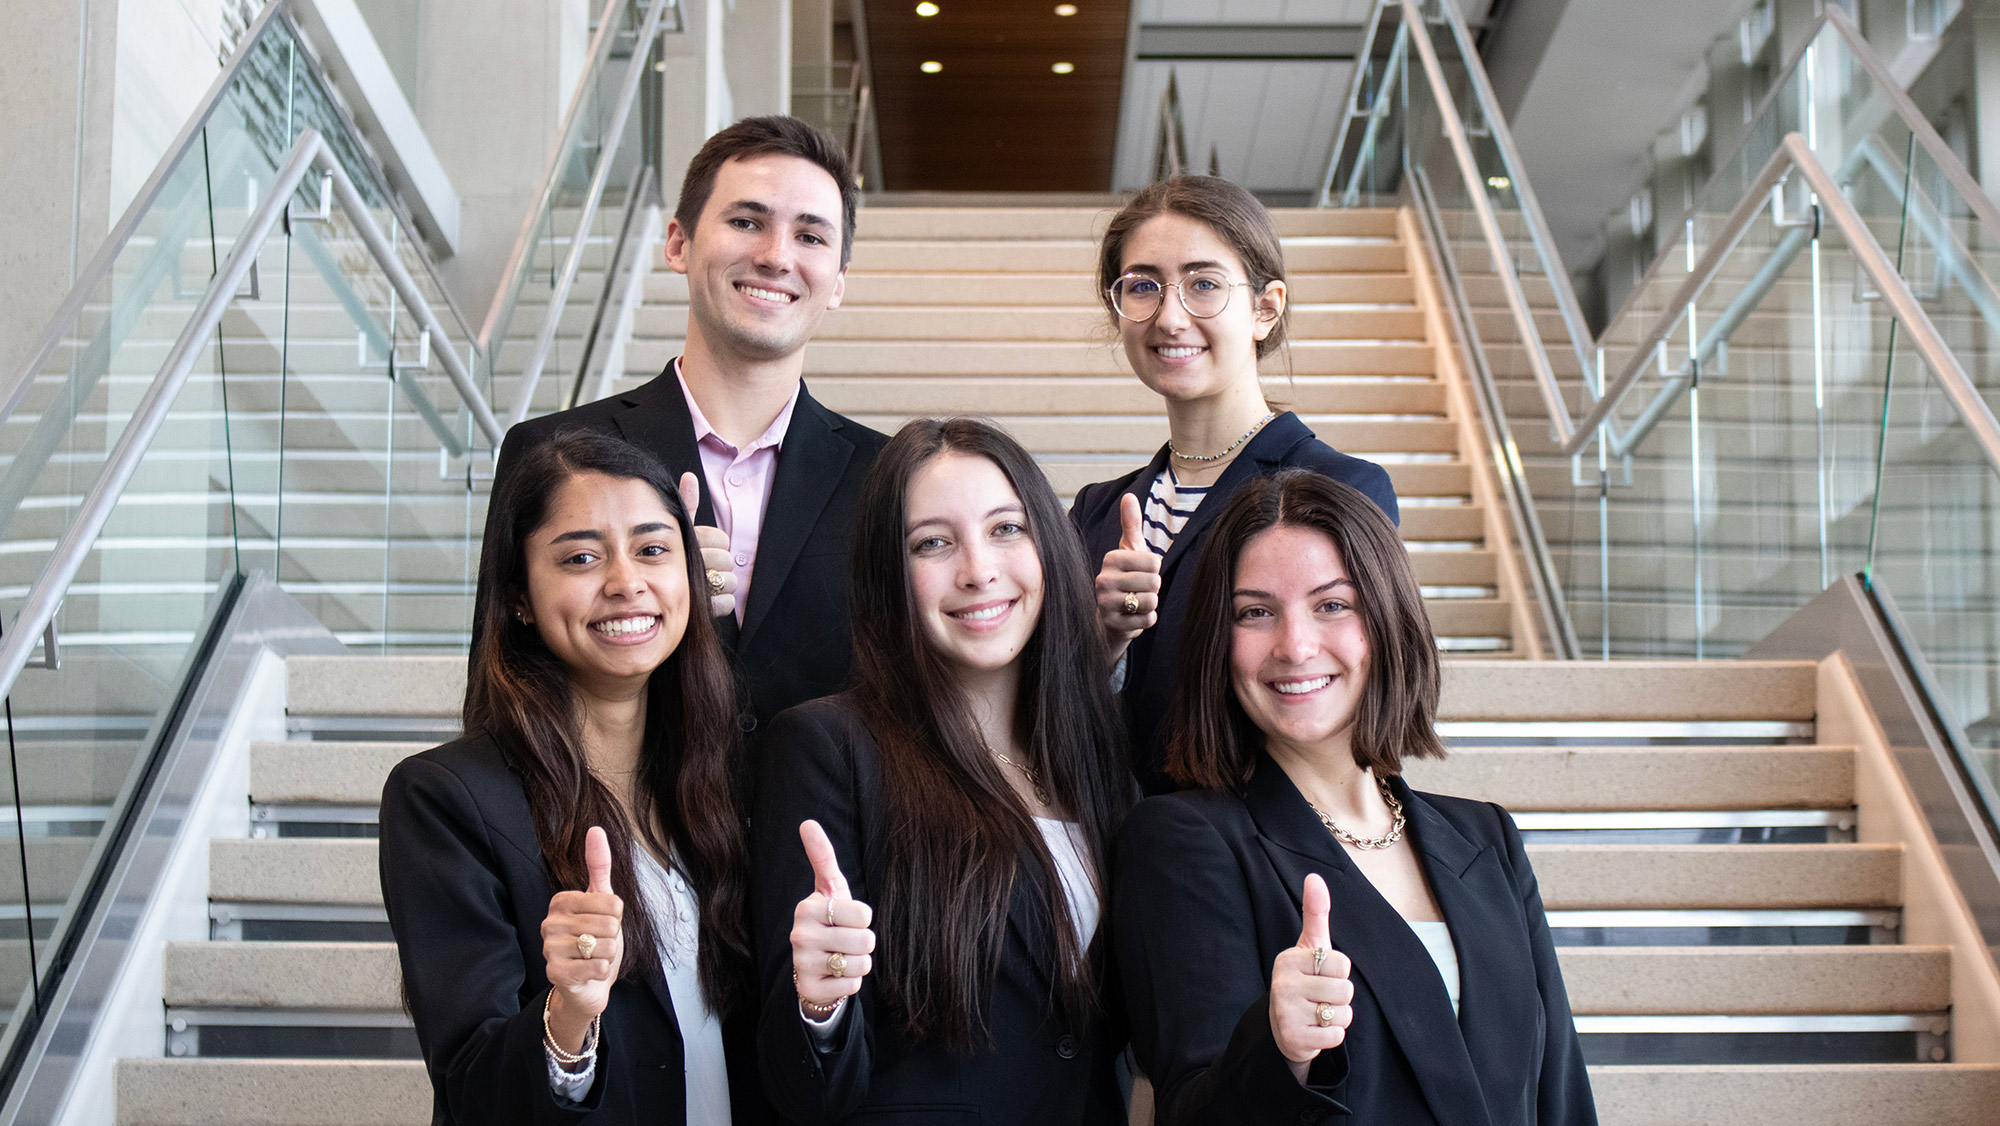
x,y
1193,276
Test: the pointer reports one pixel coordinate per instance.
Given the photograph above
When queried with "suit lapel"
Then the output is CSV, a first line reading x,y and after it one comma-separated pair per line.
x,y
1269,448
1383,948
1496,973
655,418
811,462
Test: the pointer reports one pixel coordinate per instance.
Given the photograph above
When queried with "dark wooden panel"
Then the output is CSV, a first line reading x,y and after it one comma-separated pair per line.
x,y
997,118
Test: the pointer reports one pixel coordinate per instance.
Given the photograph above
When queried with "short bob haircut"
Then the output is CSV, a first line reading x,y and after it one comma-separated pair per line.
x,y
1211,743
1228,209
773,135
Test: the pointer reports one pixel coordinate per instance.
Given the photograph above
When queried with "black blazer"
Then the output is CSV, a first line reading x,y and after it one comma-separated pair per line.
x,y
463,879
1151,662
1208,892
818,761
795,641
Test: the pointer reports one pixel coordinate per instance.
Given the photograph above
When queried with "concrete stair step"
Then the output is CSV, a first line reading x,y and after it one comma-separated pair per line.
x,y
1545,779
332,773
254,1092
1754,876
1075,321
1303,254
379,686
290,975
1087,395
1756,980
1798,1094
1633,690
1010,223
1076,285
1047,358
1144,434
1573,877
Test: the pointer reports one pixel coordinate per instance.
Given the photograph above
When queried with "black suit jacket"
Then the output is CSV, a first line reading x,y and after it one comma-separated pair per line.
x,y
463,879
794,643
818,761
1154,657
1207,894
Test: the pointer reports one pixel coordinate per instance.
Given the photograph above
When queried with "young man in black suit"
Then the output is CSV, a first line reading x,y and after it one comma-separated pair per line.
x,y
763,231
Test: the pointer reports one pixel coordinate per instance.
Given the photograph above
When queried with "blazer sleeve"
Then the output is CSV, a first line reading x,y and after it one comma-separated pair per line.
x,y
1563,1095
462,961
804,771
1197,986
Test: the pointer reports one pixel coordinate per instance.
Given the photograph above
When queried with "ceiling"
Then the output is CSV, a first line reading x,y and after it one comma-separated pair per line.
x,y
996,117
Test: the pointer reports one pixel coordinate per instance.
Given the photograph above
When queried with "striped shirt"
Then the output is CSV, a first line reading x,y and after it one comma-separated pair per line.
x,y
1168,506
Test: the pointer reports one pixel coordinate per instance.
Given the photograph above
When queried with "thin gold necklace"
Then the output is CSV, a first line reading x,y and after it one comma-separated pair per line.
x,y
1261,423
1034,777
1394,834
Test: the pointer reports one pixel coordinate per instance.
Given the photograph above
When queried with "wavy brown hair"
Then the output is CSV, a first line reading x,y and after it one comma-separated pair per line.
x,y
1211,743
958,836
519,694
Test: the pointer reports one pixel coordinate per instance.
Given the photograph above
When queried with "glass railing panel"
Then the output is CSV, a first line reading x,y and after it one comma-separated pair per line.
x,y
1937,556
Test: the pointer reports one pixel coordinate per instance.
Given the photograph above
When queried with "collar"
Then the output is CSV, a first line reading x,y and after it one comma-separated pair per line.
x,y
772,437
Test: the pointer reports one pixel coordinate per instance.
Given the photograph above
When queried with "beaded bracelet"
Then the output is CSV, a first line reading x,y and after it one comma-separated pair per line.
x,y
818,1011
566,1059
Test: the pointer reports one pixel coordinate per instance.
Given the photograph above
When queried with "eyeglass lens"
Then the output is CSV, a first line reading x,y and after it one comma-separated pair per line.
x,y
1202,294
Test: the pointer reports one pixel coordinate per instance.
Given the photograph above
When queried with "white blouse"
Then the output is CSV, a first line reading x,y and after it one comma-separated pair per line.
x,y
678,917
1436,938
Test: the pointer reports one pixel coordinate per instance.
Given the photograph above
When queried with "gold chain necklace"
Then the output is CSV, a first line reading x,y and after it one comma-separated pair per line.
x,y
1034,778
1261,423
1394,834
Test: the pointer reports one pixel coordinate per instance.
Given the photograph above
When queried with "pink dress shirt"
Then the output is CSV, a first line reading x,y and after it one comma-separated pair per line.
x,y
739,483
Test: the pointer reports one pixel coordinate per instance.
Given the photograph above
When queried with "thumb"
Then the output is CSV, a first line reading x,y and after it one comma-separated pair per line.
x,y
827,879
690,490
1318,902
1134,537
597,858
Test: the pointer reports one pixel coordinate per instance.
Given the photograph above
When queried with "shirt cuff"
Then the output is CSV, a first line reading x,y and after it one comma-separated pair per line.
x,y
823,1031
571,1085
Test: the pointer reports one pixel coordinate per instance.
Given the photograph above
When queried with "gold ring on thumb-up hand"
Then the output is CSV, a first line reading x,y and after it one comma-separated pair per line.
x,y
715,582
1131,603
586,945
1325,1014
836,964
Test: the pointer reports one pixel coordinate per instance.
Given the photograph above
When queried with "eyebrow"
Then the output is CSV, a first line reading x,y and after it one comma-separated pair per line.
x,y
1186,268
928,520
1245,592
594,535
805,217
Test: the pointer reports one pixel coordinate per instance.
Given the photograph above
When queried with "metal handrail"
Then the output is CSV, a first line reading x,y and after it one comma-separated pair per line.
x,y
640,195
593,195
308,153
121,234
1794,153
1489,226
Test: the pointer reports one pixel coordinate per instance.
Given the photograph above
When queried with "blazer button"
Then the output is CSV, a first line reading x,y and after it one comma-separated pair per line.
x,y
1066,1047
1310,1117
746,723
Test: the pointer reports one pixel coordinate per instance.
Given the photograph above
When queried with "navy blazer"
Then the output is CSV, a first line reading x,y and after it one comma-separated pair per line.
x,y
795,641
818,761
1208,892
1151,662
466,890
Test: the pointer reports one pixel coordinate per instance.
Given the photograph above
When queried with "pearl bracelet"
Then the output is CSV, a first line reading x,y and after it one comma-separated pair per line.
x,y
566,1059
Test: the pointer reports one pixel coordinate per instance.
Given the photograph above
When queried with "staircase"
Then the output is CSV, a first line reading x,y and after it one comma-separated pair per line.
x,y
1743,931
994,312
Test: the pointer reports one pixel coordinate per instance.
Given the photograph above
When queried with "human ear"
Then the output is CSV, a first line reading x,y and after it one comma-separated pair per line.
x,y
1269,307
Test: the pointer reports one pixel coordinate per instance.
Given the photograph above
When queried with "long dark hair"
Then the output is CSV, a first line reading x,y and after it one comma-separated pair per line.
x,y
519,694
957,833
1211,743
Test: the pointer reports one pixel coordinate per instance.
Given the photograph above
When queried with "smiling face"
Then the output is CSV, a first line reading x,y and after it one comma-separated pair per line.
x,y
607,583
975,575
1186,358
1298,655
763,262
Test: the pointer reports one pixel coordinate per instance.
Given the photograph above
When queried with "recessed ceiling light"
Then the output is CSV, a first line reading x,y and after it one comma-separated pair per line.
x,y
1063,68
927,8
931,67
1065,9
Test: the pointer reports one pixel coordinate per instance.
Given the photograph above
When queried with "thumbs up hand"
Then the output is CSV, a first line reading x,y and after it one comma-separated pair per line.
x,y
1310,992
1128,585
715,557
832,946
583,945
